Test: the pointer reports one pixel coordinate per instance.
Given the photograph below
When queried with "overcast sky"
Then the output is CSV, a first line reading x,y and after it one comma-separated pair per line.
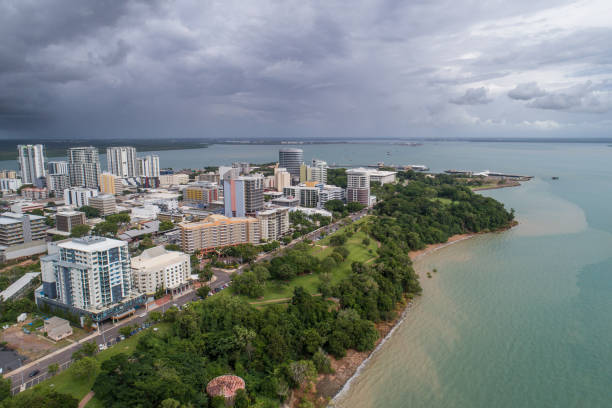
x,y
196,68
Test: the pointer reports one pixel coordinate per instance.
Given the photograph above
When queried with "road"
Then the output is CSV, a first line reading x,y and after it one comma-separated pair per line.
x,y
109,332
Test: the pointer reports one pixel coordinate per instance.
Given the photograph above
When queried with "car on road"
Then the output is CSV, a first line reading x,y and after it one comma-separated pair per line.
x,y
102,347
142,315
34,373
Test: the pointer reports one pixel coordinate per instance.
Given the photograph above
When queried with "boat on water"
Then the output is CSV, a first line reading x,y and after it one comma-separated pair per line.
x,y
555,178
418,167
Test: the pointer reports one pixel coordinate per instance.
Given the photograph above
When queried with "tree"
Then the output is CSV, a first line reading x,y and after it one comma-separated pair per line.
x,y
203,291
241,400
354,206
170,403
302,371
146,243
53,368
155,316
89,348
172,247
5,388
165,225
42,397
126,330
106,228
79,230
321,362
85,369
90,212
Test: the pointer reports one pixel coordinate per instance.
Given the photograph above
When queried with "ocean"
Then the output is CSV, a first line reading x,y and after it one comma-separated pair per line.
x,y
521,318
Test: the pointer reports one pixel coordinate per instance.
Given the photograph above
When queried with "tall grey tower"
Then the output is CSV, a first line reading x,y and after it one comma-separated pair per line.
x,y
121,161
291,159
84,166
32,164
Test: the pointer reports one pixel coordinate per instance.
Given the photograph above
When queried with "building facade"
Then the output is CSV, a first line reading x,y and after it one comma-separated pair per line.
x,y
201,194
233,197
57,183
10,184
273,223
35,193
148,166
121,161
105,203
108,183
84,166
282,179
79,196
159,268
32,164
358,186
218,231
65,220
21,228
253,193
319,171
291,159
57,167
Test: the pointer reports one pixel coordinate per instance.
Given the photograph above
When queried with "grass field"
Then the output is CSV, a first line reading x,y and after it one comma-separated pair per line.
x,y
275,290
65,383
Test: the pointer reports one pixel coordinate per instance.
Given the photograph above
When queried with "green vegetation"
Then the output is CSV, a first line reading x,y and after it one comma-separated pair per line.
x,y
79,230
90,212
166,225
336,177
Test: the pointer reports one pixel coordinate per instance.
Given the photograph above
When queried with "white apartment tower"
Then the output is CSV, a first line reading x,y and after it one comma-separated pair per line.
x,y
319,171
121,161
32,164
159,268
358,186
84,166
148,166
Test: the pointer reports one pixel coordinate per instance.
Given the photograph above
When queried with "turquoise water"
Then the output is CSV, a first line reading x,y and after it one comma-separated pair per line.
x,y
514,319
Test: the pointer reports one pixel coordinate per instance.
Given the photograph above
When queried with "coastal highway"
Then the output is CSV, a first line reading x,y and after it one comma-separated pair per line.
x,y
109,331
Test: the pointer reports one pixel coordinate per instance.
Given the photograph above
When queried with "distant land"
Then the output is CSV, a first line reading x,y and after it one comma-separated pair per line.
x,y
58,148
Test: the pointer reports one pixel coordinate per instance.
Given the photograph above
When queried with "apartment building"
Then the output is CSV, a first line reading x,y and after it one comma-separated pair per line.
x,y
32,164
273,223
121,161
219,231
84,166
358,186
10,184
201,193
35,193
79,196
159,268
282,178
21,228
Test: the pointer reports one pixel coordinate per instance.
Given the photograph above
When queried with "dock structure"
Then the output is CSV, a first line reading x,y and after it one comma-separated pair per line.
x,y
488,173
415,167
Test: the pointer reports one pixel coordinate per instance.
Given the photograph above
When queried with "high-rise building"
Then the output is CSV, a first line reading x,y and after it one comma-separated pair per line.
x,y
273,223
57,167
32,164
243,167
358,186
10,184
148,166
79,196
253,193
8,174
308,194
108,183
233,197
84,166
305,173
319,171
91,276
291,159
282,178
105,203
65,220
57,183
219,231
159,268
121,161
328,193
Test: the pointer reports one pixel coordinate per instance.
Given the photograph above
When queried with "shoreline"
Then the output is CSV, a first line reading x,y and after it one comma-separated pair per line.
x,y
329,387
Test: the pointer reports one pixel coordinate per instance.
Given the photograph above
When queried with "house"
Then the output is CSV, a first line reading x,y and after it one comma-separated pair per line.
x,y
57,328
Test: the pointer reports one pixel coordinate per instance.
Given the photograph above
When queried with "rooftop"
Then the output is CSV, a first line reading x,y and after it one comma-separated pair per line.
x,y
157,257
13,218
18,285
91,244
225,386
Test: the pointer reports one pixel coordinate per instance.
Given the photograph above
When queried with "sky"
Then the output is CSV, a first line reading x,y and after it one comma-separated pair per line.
x,y
291,69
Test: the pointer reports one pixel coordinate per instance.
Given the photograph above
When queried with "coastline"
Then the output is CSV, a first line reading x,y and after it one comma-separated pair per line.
x,y
329,387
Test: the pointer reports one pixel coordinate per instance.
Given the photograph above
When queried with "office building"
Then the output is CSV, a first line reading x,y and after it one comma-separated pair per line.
x,y
110,184
32,164
382,176
307,193
8,174
105,203
318,171
286,201
291,159
89,276
219,231
201,194
173,179
282,178
24,206
10,184
159,268
358,186
84,166
65,220
121,161
79,196
213,177
57,167
57,183
148,166
273,223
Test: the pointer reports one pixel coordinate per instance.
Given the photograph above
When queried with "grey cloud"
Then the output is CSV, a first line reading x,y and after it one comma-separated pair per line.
x,y
580,98
526,91
473,96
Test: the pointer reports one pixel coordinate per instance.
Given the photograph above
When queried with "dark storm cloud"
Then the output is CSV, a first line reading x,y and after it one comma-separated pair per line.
x,y
313,68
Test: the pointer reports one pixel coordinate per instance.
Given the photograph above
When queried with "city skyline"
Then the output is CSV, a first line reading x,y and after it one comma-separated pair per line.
x,y
381,69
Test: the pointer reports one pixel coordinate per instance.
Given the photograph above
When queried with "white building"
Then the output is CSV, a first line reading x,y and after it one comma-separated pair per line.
x,y
121,161
329,192
84,166
10,184
57,167
159,268
382,176
282,178
57,183
146,212
274,223
319,171
148,166
173,179
89,273
32,164
358,185
79,196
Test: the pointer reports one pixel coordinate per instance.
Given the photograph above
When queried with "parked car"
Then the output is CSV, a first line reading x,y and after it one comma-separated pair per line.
x,y
34,373
102,347
122,337
142,315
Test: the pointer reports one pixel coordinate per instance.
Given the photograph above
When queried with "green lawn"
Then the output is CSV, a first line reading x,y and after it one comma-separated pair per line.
x,y
358,252
65,383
